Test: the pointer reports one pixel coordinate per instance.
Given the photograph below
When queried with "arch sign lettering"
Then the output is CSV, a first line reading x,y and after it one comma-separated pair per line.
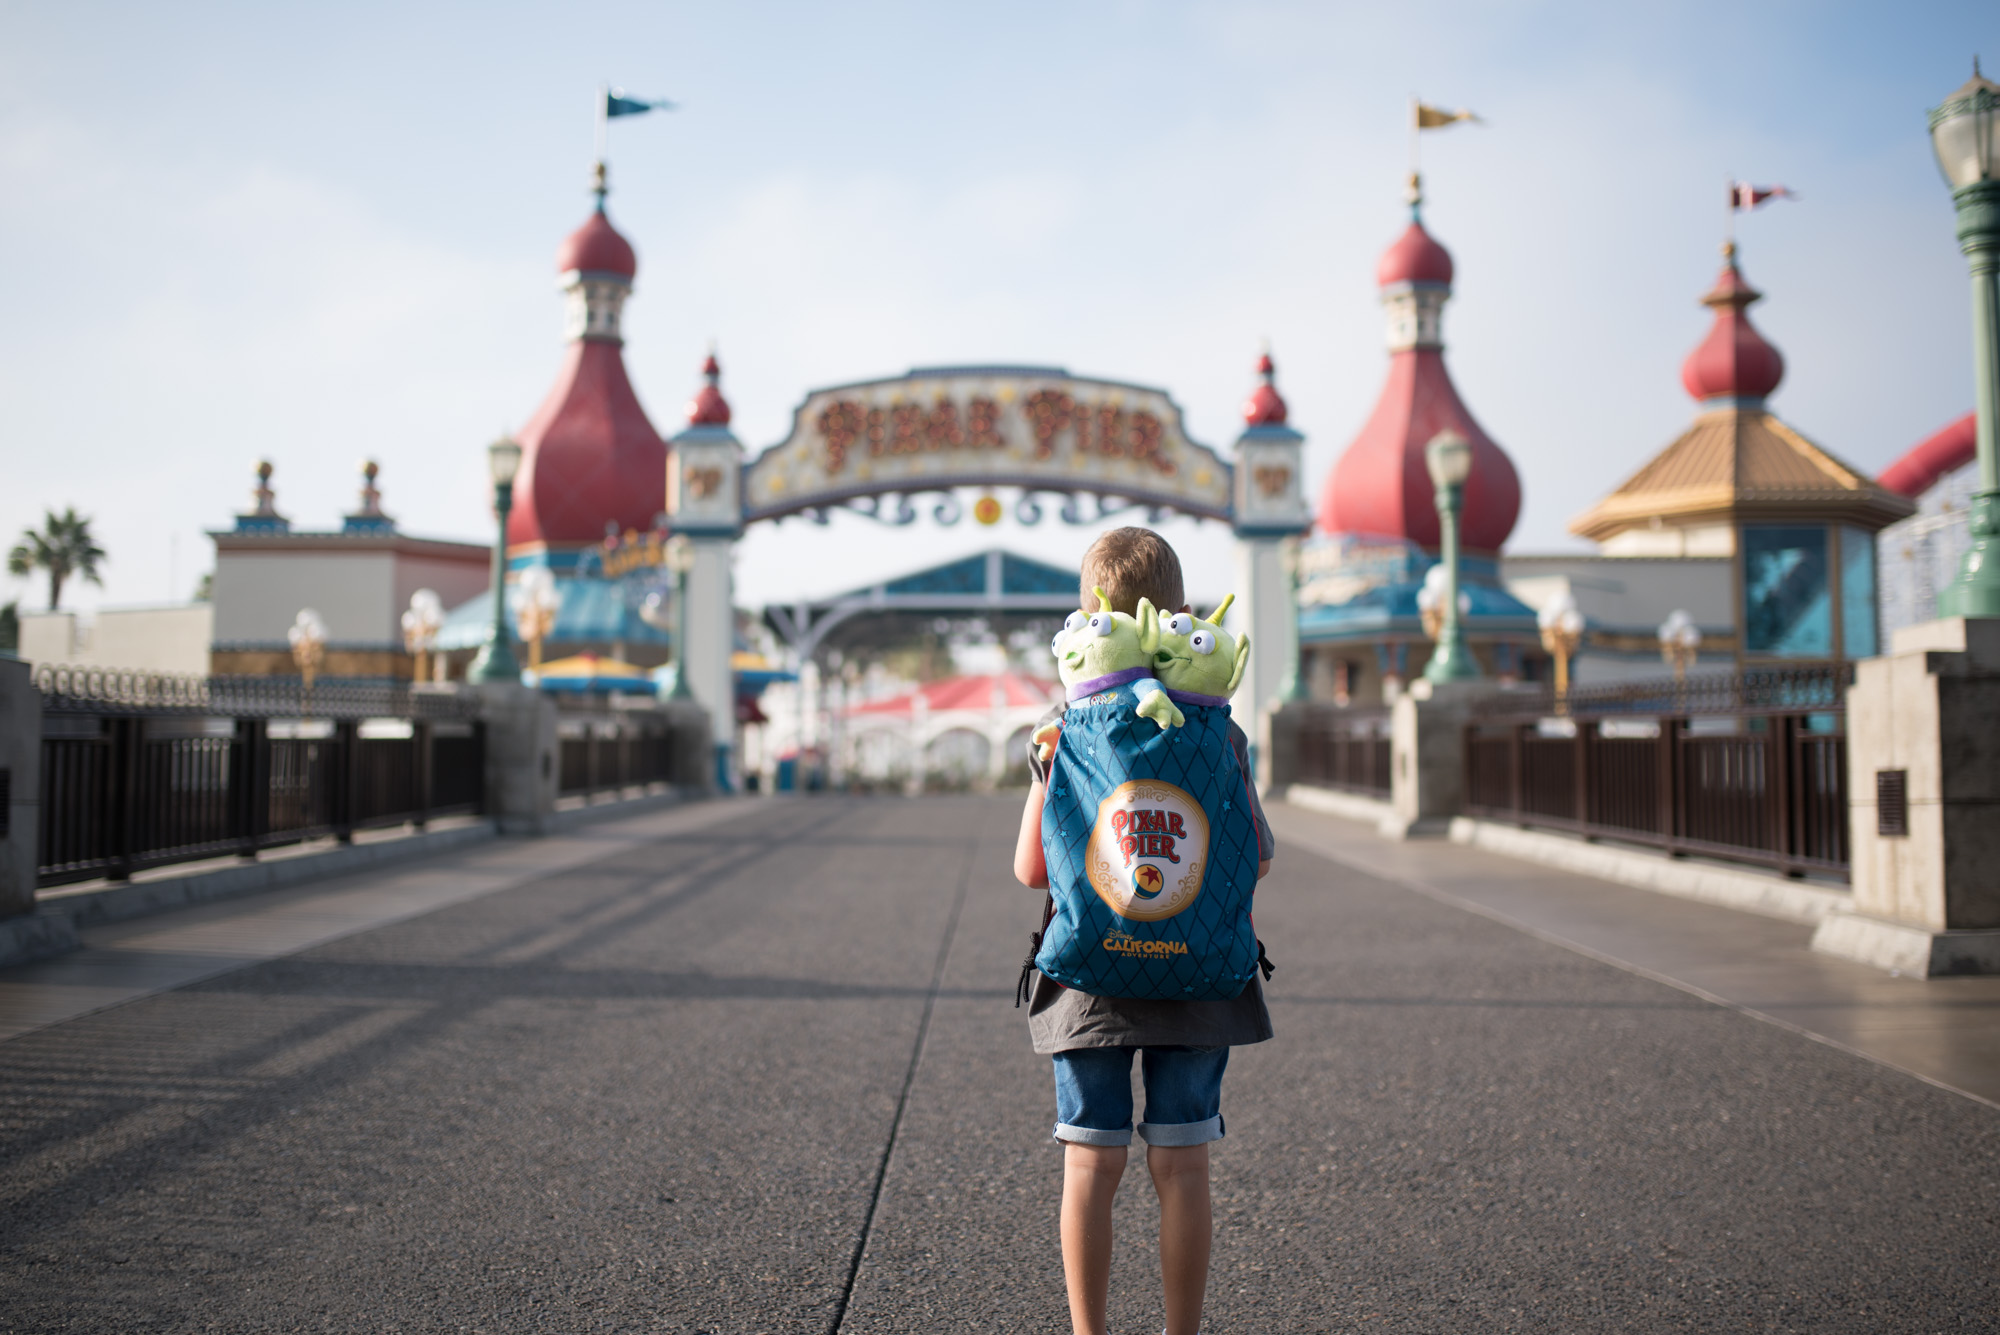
x,y
1036,428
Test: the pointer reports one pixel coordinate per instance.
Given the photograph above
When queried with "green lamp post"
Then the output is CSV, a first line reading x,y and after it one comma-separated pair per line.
x,y
1965,131
1449,458
496,661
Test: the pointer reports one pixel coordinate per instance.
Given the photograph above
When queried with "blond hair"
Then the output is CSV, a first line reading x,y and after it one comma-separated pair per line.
x,y
1130,564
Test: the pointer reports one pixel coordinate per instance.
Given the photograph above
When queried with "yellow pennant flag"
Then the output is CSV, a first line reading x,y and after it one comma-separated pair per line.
x,y
1433,118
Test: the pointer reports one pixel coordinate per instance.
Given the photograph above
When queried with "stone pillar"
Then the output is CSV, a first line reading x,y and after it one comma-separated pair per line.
x,y
705,502
1267,502
693,765
1427,755
1263,601
21,788
1923,783
711,640
523,758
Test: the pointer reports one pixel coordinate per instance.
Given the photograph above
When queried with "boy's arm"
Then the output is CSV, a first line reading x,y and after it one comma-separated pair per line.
x,y
1031,867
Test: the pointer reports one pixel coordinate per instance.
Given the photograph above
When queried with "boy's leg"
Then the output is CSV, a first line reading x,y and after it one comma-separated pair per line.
x,y
1180,1176
1183,1114
1094,1124
1090,1181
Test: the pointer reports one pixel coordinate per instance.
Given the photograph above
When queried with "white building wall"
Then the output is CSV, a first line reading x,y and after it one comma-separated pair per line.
x,y
258,594
1630,596
145,639
456,582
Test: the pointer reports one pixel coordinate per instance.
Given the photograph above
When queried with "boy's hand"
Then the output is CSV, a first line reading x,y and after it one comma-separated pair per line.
x,y
1046,738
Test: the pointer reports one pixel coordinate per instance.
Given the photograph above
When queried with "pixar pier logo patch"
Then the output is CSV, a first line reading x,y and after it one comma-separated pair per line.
x,y
1147,850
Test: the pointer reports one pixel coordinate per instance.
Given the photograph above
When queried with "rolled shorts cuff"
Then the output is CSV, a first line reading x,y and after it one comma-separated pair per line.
x,y
1084,1135
1182,1133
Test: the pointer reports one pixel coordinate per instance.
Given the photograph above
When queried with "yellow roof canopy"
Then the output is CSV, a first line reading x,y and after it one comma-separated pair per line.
x,y
590,665
1741,463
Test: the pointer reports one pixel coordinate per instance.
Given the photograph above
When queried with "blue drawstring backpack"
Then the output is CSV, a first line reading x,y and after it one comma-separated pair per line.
x,y
1151,850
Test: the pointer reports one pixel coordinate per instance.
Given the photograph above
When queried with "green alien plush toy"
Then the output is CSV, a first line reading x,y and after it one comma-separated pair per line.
x,y
1198,661
1110,647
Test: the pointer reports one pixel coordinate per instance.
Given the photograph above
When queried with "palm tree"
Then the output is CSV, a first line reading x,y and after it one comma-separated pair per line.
x,y
64,547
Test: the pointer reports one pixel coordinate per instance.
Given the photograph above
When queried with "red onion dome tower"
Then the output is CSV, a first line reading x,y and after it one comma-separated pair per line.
x,y
592,461
1265,406
1380,487
708,407
1737,462
1734,366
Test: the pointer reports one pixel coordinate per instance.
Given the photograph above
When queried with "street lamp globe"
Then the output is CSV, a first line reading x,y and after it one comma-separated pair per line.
x,y
656,609
1965,132
1679,630
307,636
680,554
503,460
1449,458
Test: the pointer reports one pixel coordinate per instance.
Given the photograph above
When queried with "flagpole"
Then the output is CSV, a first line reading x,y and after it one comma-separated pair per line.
x,y
1729,213
603,105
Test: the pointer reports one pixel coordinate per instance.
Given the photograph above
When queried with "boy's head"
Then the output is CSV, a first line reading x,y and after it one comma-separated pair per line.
x,y
1130,564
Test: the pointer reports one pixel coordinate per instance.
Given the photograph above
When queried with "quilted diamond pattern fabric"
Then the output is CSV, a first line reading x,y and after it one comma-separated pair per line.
x,y
1154,915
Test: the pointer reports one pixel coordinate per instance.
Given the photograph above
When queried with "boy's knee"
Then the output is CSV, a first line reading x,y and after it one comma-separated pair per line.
x,y
1177,1163
1082,1158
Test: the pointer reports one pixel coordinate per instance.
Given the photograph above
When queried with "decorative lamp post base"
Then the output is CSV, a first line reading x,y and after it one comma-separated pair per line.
x,y
1976,591
494,662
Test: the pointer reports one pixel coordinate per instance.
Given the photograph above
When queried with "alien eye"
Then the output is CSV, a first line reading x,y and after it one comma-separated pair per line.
x,y
1074,622
1101,624
1055,646
1180,623
1202,641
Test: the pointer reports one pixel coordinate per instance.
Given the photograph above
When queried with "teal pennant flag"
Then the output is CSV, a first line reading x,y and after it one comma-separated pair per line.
x,y
617,104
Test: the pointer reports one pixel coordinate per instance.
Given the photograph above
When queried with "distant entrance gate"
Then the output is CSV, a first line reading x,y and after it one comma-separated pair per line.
x,y
1093,448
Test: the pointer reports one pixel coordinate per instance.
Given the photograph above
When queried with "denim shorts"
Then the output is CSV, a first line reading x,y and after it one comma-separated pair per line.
x,y
1183,1095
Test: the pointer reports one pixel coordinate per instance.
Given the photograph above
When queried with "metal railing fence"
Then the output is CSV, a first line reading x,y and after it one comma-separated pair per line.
x,y
1752,769
1344,748
115,690
612,749
140,769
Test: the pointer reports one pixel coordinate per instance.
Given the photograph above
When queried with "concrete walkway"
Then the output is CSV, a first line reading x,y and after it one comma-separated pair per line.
x,y
756,1068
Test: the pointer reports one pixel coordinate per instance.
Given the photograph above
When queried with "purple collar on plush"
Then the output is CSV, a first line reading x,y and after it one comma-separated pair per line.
x,y
1106,682
1190,698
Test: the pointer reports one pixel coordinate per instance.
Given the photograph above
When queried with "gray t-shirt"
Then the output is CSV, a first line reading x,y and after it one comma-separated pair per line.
x,y
1061,1018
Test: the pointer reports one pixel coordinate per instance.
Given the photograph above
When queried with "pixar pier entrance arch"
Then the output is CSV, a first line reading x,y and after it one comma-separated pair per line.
x,y
1088,449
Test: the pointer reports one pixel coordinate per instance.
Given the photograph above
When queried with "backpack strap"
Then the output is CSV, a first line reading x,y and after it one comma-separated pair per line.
x,y
1264,961
1034,949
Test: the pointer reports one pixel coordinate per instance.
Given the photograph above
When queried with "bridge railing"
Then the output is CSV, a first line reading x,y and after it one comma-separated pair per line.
x,y
1344,748
610,749
144,769
1748,767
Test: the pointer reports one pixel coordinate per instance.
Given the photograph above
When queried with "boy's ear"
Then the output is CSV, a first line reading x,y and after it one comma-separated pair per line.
x,y
1149,627
1242,661
1221,611
1103,603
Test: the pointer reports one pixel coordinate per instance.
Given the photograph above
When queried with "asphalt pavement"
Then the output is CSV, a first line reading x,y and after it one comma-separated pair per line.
x,y
762,1073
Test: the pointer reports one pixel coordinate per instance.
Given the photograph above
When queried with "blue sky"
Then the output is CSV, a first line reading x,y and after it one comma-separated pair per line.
x,y
318,235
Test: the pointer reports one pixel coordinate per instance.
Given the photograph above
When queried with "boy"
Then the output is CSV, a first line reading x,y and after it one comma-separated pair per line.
x,y
1183,1045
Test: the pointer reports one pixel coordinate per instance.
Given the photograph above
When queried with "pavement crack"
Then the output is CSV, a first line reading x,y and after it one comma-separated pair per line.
x,y
903,1096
